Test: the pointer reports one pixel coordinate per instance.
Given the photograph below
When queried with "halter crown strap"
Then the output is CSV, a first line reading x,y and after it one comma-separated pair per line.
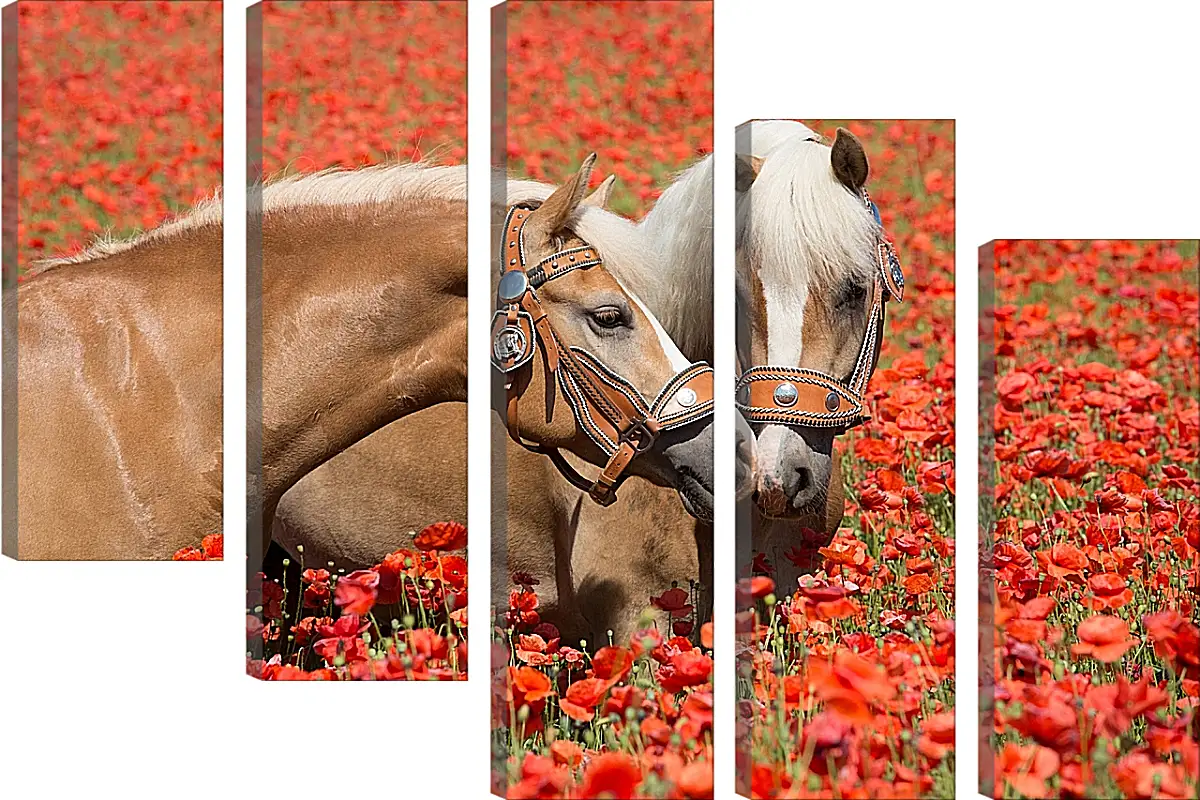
x,y
606,406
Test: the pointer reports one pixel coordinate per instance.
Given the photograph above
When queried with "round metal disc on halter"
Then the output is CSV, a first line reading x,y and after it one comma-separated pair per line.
x,y
686,397
832,401
513,285
509,343
786,395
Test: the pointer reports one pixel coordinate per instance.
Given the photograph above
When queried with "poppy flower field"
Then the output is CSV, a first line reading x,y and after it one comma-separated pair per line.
x,y
403,619
627,719
352,84
119,120
631,82
1093,570
846,681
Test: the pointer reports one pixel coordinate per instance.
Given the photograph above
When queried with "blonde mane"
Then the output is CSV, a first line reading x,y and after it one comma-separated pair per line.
x,y
375,185
681,227
337,187
796,215
206,212
798,229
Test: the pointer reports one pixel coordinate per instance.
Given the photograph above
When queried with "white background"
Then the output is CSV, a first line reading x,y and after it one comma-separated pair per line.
x,y
1074,121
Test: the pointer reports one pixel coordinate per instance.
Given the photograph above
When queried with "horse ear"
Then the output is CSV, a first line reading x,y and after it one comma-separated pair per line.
x,y
602,195
849,161
748,168
552,215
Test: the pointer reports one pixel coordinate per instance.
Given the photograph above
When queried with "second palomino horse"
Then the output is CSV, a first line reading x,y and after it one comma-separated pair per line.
x,y
814,274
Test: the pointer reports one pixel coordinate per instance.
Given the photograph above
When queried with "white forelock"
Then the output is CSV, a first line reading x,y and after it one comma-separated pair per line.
x,y
800,228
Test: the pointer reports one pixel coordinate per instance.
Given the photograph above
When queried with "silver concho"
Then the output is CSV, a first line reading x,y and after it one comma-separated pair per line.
x,y
509,344
513,285
832,401
786,395
686,397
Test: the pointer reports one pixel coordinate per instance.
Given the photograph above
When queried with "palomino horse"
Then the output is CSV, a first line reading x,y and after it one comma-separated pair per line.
x,y
353,509
348,349
119,397
366,501
814,272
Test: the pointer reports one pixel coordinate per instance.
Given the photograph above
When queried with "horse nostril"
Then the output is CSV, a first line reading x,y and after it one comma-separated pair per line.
x,y
805,479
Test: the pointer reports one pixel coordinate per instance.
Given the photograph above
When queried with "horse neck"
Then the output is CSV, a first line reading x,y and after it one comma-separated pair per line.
x,y
679,229
364,322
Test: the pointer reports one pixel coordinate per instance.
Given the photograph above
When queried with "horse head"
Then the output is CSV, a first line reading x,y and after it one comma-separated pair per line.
x,y
586,367
814,272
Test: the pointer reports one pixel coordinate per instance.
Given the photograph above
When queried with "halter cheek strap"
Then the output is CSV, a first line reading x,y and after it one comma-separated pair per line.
x,y
606,406
808,398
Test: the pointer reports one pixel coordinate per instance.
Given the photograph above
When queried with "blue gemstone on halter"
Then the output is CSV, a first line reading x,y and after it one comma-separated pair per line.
x,y
897,272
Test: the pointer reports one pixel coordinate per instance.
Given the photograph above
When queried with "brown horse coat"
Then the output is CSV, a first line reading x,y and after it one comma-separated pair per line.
x,y
119,401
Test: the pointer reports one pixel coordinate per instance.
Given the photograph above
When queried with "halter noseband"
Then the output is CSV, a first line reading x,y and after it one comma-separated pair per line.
x,y
612,412
807,398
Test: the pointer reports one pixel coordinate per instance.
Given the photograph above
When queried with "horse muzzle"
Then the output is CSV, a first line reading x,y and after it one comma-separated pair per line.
x,y
793,475
689,455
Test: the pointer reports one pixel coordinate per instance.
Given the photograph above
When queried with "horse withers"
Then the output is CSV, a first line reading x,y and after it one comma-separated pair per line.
x,y
119,397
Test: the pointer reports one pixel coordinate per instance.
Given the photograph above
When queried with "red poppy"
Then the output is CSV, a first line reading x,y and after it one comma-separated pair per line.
x,y
673,601
849,685
441,536
566,753
1027,768
1063,560
612,774
1176,640
687,668
612,664
761,586
1104,638
213,546
1110,591
356,593
582,697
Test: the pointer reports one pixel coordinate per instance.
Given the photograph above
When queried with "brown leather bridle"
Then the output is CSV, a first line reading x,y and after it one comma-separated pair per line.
x,y
612,412
808,398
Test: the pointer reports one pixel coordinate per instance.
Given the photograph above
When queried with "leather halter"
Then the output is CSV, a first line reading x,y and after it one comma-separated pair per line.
x,y
808,398
607,407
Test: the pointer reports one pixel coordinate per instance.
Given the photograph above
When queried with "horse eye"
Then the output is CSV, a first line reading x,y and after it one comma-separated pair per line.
x,y
608,317
852,295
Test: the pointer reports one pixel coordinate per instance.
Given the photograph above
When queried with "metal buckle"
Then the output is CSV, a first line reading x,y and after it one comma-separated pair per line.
x,y
640,436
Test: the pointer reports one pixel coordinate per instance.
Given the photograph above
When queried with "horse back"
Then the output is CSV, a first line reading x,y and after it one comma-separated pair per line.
x,y
119,403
